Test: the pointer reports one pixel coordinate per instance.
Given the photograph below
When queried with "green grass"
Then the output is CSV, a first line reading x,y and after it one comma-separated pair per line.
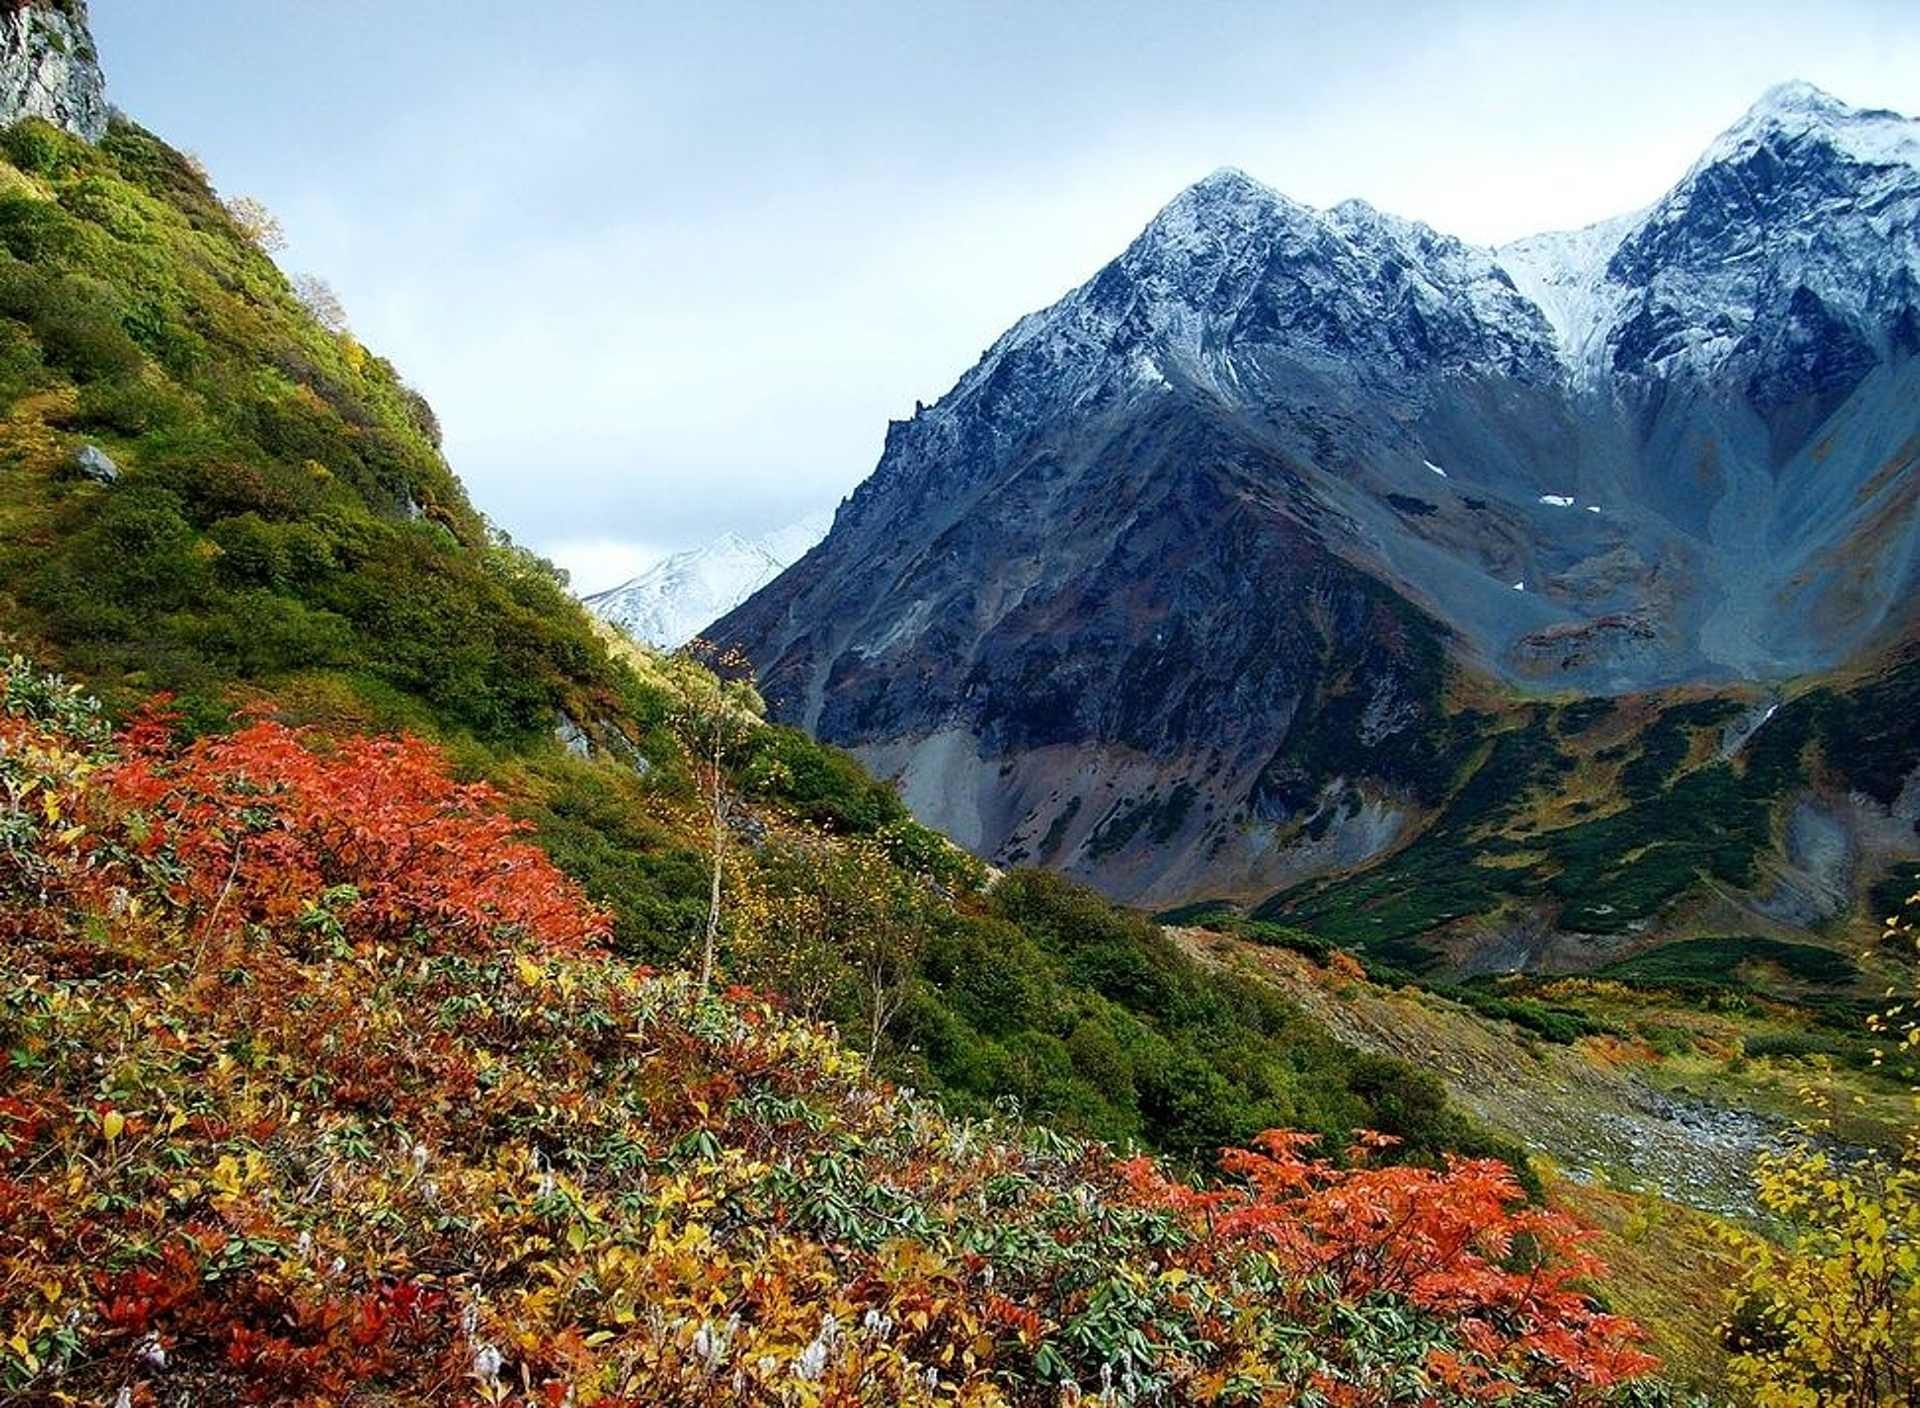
x,y
1720,961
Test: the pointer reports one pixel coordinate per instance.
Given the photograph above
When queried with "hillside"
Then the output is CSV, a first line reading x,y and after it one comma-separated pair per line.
x,y
1235,567
1654,1099
279,509
320,1089
1584,832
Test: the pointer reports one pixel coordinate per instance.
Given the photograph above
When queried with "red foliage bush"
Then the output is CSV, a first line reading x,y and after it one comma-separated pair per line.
x,y
1461,1243
255,826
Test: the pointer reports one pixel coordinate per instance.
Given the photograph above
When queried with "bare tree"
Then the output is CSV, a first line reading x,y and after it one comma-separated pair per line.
x,y
713,716
884,945
320,300
252,218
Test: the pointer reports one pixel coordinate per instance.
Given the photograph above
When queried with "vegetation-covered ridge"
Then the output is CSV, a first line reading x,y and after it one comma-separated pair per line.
x,y
321,1087
278,512
1606,819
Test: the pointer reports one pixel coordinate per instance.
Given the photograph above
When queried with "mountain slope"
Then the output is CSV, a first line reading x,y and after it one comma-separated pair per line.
x,y
673,601
1181,587
376,1122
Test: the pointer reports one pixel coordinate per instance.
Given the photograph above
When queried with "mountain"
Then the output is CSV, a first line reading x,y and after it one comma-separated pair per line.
x,y
1184,586
674,600
355,976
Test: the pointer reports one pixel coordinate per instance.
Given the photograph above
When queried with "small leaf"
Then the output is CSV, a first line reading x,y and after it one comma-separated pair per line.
x,y
113,1123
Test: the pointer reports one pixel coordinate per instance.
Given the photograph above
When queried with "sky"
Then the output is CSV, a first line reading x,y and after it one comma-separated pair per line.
x,y
667,270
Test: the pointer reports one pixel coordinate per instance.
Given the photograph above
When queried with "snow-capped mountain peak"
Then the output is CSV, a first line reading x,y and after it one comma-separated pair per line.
x,y
1801,216
673,601
1208,498
1805,208
1789,112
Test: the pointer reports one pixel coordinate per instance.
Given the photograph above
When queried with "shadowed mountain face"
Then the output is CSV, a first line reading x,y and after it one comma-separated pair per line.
x,y
1168,588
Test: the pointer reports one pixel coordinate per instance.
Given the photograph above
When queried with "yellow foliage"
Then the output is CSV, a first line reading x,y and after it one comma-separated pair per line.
x,y
1833,1317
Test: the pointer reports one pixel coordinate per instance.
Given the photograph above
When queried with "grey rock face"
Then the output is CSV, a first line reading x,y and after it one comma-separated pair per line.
x,y
49,68
571,736
92,462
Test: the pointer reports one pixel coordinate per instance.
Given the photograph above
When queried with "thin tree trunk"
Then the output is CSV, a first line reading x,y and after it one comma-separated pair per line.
x,y
713,894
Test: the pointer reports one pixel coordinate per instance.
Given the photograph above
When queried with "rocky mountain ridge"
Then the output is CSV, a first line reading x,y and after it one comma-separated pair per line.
x,y
1218,529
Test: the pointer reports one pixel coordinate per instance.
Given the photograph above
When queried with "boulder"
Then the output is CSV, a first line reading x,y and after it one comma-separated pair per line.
x,y
92,462
49,68
571,736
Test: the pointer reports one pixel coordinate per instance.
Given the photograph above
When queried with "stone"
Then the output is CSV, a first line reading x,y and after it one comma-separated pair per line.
x,y
572,737
92,462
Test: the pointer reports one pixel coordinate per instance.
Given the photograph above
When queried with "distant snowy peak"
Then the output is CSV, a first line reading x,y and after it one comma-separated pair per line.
x,y
673,601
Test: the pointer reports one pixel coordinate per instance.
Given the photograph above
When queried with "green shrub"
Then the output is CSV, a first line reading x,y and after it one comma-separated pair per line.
x,y
1718,961
819,783
35,146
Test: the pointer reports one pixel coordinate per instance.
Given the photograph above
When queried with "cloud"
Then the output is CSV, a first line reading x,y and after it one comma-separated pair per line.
x,y
595,564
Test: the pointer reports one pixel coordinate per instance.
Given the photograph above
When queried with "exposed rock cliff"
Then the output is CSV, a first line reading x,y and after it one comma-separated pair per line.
x,y
48,67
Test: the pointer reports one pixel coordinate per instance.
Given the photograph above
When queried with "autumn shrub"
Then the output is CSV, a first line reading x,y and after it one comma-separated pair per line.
x,y
318,1093
253,827
1829,1310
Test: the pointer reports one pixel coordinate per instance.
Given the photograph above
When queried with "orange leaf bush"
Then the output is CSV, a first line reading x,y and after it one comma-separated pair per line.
x,y
258,824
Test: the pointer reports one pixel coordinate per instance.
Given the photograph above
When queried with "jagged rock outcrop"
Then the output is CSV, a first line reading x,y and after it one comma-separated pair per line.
x,y
49,68
1166,589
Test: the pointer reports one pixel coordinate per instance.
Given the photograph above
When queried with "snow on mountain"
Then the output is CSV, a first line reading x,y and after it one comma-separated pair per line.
x,y
1803,197
1230,265
673,601
1267,468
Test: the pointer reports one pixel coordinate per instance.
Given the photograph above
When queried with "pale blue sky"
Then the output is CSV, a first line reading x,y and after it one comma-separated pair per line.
x,y
667,269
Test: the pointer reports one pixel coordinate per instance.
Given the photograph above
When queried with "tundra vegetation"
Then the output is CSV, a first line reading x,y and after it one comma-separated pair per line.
x,y
323,1084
